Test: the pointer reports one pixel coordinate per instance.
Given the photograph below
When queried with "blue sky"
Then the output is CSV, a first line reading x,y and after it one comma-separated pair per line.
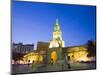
x,y
33,22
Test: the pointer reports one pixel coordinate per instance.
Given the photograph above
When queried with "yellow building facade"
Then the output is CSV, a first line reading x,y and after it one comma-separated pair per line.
x,y
78,54
33,57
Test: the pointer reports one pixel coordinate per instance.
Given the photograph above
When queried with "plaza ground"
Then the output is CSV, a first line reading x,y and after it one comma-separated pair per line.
x,y
16,68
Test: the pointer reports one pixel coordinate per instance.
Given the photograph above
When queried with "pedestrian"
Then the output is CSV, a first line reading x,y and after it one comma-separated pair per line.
x,y
68,63
51,61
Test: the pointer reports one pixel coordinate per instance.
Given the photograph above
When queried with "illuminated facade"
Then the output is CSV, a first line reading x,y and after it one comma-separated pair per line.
x,y
77,54
57,37
55,51
33,57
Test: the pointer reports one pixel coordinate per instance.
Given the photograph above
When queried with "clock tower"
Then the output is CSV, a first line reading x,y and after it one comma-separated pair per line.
x,y
57,37
55,48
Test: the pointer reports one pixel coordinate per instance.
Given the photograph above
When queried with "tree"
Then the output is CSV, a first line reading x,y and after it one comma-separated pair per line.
x,y
91,46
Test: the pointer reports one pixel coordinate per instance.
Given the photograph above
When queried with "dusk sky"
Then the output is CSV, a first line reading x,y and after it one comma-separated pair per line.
x,y
33,22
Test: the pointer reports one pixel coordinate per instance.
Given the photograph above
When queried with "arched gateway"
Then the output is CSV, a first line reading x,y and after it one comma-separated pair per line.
x,y
54,55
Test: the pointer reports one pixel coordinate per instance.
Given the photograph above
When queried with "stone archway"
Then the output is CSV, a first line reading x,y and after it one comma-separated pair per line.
x,y
54,56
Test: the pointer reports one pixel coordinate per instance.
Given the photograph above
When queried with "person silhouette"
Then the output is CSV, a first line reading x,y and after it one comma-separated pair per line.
x,y
51,61
68,63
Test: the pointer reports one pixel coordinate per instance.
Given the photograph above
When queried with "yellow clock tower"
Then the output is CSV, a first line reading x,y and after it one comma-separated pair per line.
x,y
57,37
